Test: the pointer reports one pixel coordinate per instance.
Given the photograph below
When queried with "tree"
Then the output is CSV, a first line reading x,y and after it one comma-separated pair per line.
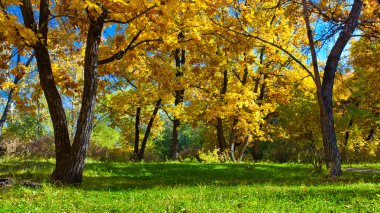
x,y
137,102
69,159
325,88
90,19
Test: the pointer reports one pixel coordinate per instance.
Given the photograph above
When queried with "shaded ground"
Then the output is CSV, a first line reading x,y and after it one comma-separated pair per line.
x,y
363,170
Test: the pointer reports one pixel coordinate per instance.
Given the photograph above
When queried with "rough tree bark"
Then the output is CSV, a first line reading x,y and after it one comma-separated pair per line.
x,y
219,127
137,134
180,60
325,89
56,110
72,168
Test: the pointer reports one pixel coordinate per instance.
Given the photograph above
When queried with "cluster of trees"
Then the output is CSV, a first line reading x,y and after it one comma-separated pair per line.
x,y
247,71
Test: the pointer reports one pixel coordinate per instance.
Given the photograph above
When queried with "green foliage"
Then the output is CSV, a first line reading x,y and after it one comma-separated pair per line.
x,y
163,141
28,136
191,187
189,137
298,135
26,127
105,136
280,151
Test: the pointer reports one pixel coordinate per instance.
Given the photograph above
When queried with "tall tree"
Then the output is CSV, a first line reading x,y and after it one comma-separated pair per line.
x,y
69,159
325,88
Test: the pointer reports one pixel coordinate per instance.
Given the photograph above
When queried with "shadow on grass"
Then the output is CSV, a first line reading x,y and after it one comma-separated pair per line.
x,y
130,176
144,176
36,170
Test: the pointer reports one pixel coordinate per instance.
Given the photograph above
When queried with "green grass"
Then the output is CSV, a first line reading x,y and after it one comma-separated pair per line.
x,y
191,187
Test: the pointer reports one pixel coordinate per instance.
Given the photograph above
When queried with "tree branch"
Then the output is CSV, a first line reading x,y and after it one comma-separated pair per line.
x,y
133,18
270,43
119,55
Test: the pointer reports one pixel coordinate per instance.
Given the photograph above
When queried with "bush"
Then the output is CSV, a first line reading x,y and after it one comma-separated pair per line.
x,y
189,154
40,148
102,153
279,151
302,151
3,151
209,156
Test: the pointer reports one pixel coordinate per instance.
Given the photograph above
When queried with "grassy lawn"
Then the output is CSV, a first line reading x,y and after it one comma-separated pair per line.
x,y
191,187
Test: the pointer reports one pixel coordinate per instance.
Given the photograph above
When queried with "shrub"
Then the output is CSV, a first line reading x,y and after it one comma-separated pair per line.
x,y
103,153
209,156
16,147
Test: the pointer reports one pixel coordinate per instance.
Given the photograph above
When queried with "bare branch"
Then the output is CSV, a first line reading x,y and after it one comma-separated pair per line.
x,y
167,114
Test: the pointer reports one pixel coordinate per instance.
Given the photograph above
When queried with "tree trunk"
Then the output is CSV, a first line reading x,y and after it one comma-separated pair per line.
x,y
346,138
180,59
256,151
371,134
6,110
232,140
137,134
175,142
56,110
325,90
328,132
219,127
256,143
220,135
330,145
72,170
69,159
232,151
243,148
263,89
148,129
